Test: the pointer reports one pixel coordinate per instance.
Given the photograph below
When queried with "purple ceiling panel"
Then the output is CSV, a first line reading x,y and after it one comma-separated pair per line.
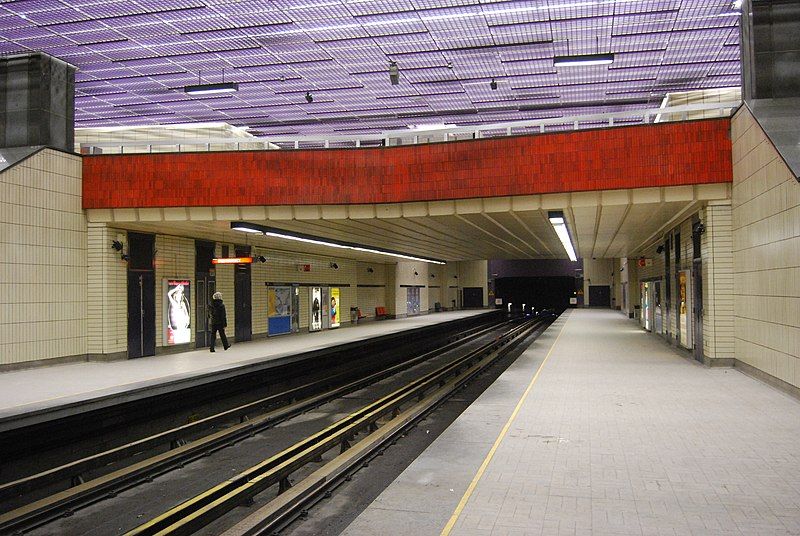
x,y
135,56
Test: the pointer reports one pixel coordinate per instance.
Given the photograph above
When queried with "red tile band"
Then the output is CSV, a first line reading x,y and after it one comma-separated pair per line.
x,y
668,154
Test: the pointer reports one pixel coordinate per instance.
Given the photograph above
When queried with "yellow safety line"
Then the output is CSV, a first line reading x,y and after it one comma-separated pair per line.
x,y
467,494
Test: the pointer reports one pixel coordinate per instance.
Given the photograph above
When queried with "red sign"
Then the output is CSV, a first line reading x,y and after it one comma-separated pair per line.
x,y
233,260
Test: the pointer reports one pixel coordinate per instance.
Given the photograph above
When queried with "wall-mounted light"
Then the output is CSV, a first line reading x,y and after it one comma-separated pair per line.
x,y
560,226
433,276
493,84
455,276
660,249
116,245
261,258
369,269
333,266
416,273
248,227
309,98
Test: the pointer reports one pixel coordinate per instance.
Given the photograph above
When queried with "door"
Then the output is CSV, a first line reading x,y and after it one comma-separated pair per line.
x,y
141,314
206,286
697,309
473,297
141,295
242,297
599,296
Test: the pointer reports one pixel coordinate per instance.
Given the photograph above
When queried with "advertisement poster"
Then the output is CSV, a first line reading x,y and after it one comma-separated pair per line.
x,y
315,309
334,311
279,310
683,308
177,311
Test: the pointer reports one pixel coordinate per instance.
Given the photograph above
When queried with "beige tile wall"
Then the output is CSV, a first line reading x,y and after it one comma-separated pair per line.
x,y
473,274
600,272
766,254
174,259
717,254
43,244
107,330
368,298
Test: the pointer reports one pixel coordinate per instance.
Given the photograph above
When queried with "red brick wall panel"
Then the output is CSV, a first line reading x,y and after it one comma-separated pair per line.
x,y
668,154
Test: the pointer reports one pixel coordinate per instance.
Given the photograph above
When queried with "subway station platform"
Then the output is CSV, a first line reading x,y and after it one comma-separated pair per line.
x,y
601,428
38,391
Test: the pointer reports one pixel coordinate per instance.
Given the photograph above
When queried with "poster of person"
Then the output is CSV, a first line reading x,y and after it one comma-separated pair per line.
x,y
177,311
334,310
315,309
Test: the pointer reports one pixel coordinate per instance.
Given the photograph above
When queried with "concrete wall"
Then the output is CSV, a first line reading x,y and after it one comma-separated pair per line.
x,y
766,255
43,248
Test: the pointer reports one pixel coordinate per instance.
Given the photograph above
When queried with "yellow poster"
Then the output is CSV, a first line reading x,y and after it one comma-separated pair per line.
x,y
334,310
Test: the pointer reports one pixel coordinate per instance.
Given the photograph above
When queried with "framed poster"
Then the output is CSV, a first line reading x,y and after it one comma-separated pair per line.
x,y
315,309
279,310
177,311
684,308
335,309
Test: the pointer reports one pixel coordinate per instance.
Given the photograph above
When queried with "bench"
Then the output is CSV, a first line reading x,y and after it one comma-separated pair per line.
x,y
380,313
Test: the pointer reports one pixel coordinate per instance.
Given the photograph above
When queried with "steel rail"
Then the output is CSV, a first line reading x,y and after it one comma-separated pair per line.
x,y
200,510
92,491
287,506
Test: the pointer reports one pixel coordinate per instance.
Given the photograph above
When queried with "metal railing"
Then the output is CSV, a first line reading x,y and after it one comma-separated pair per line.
x,y
418,136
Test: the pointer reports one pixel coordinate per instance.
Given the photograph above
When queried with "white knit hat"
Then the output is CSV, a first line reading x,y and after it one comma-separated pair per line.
x,y
217,296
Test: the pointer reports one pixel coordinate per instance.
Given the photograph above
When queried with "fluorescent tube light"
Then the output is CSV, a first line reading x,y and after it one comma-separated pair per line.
x,y
246,229
560,226
308,239
209,89
583,60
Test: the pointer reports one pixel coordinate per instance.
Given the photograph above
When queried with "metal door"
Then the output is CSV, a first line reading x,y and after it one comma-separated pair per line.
x,y
206,286
243,303
697,309
473,297
141,314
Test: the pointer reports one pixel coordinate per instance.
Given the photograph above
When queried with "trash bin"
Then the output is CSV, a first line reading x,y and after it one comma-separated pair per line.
x,y
437,307
354,315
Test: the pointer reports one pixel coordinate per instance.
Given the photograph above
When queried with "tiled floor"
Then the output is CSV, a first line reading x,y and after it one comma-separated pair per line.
x,y
34,389
618,435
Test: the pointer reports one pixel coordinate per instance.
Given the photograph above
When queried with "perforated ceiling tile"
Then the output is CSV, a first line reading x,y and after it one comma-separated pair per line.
x,y
135,56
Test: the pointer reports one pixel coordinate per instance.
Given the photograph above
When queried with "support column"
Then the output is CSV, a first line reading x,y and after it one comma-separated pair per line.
x,y
717,254
37,102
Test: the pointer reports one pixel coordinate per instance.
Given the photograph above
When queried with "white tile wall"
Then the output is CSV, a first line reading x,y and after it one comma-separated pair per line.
x,y
766,254
43,249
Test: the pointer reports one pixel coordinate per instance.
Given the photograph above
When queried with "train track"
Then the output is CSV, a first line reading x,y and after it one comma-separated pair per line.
x,y
252,418
381,420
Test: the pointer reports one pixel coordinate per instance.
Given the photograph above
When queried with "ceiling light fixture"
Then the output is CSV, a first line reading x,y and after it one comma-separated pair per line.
x,y
209,89
559,224
309,98
583,60
394,73
248,227
493,84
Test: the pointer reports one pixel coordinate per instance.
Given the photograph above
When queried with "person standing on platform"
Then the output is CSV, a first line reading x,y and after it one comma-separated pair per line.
x,y
219,321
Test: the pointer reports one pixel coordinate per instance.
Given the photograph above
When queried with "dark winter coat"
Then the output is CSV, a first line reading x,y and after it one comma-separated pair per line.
x,y
219,319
